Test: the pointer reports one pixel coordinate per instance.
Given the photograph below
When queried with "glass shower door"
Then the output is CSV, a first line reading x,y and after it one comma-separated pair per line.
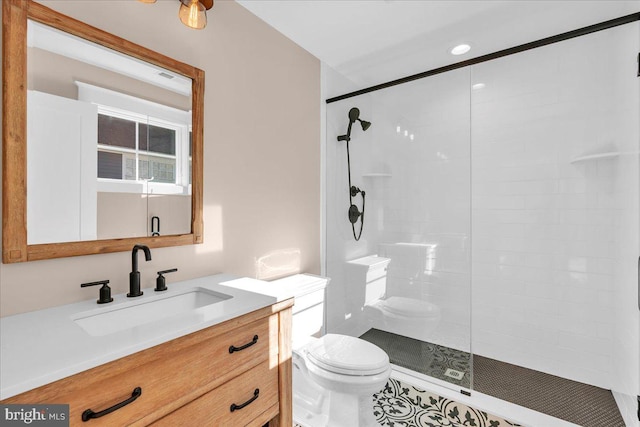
x,y
405,284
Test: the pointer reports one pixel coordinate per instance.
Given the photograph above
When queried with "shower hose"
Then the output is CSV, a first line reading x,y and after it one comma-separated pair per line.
x,y
354,213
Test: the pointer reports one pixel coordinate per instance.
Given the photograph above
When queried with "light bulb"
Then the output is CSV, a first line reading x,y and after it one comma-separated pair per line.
x,y
194,15
461,49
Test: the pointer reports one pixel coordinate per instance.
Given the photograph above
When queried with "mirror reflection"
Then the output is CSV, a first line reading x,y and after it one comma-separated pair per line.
x,y
108,143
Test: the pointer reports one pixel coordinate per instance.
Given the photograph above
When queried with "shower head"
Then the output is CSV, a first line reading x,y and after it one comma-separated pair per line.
x,y
354,115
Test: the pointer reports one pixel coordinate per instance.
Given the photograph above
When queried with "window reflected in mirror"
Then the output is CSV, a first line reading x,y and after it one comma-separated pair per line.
x,y
108,143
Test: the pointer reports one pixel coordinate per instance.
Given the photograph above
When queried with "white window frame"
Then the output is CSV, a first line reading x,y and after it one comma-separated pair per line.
x,y
115,104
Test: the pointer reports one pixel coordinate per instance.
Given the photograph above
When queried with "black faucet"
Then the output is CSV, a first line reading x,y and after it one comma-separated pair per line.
x,y
134,276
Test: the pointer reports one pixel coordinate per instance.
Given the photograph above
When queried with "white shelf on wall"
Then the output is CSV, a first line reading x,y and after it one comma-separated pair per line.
x,y
603,156
376,175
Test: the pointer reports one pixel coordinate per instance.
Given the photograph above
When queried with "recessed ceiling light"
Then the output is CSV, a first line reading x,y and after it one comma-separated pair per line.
x,y
478,86
461,49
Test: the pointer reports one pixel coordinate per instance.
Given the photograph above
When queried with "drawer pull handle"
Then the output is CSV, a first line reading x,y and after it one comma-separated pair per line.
x,y
235,407
249,344
89,414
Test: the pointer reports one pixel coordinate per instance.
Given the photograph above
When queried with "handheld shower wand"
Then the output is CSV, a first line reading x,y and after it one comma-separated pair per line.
x,y
354,213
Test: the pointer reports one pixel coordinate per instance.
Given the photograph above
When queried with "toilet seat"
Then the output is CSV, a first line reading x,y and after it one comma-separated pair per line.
x,y
409,307
342,354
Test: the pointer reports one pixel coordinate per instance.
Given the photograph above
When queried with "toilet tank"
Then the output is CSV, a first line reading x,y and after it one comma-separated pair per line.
x,y
368,274
309,309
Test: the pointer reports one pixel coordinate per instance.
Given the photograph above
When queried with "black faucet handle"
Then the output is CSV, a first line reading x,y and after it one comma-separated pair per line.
x,y
105,290
161,283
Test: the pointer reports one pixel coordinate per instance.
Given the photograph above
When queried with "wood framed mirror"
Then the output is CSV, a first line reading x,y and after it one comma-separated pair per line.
x,y
174,172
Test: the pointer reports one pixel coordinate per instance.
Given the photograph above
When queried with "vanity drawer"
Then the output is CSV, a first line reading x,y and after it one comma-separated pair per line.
x,y
251,344
169,375
214,408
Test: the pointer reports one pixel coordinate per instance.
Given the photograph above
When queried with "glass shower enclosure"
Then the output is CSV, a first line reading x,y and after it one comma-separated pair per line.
x,y
499,198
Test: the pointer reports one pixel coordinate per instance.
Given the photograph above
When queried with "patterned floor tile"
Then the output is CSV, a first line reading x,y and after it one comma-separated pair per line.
x,y
403,405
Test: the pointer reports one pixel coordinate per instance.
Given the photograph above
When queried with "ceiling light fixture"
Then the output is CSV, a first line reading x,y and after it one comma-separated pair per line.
x,y
461,49
192,13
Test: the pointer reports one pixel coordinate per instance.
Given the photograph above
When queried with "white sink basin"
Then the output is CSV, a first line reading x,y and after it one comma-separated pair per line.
x,y
128,315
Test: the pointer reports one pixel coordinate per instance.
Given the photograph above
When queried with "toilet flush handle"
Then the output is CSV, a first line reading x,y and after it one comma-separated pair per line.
x,y
299,363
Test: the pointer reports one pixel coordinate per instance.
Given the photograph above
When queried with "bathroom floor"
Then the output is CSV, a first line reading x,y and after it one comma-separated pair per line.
x,y
569,400
430,359
403,405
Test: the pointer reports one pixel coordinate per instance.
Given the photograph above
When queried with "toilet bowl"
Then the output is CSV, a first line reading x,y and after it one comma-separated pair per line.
x,y
335,378
404,316
411,317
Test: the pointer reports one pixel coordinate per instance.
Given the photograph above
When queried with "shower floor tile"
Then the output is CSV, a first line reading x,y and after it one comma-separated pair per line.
x,y
568,400
430,359
572,401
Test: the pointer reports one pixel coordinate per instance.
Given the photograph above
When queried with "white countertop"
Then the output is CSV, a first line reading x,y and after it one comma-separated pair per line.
x,y
43,346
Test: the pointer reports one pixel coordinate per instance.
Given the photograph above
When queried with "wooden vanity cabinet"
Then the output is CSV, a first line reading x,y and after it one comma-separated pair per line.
x,y
190,381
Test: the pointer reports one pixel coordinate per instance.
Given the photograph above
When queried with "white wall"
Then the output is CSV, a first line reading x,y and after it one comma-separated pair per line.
x,y
62,153
343,314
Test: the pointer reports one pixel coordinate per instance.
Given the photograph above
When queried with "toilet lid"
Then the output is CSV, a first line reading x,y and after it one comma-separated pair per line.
x,y
347,355
410,307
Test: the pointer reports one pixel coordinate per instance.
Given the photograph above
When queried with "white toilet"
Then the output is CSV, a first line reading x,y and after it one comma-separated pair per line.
x,y
334,376
410,317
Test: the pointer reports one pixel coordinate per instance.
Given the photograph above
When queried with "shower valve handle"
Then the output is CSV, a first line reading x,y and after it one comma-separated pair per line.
x,y
354,214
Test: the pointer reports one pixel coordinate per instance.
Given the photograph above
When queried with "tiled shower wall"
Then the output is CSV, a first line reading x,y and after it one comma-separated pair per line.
x,y
547,220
